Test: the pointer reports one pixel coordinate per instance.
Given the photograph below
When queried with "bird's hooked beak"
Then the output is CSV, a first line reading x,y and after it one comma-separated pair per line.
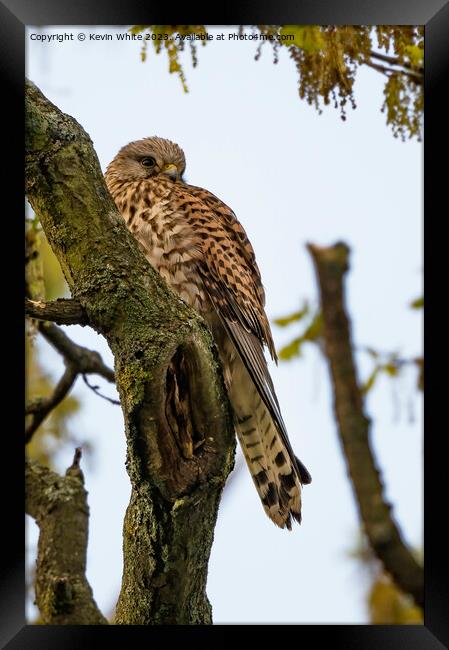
x,y
171,170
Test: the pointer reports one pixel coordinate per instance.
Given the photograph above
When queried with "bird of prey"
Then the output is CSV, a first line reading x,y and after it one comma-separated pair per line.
x,y
197,245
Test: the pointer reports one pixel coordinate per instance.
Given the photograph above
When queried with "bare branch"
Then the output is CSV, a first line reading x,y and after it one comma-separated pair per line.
x,y
42,407
95,389
78,360
61,311
380,68
382,531
59,506
85,360
392,60
416,76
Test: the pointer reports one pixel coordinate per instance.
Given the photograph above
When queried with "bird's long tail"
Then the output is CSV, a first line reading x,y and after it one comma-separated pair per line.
x,y
276,474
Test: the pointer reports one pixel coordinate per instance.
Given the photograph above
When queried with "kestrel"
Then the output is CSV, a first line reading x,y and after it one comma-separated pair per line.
x,y
197,245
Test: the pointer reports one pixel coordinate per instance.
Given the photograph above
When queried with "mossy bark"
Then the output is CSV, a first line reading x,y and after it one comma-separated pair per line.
x,y
169,523
59,506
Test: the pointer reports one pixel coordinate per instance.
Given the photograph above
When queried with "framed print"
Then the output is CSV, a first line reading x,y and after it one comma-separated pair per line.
x,y
224,305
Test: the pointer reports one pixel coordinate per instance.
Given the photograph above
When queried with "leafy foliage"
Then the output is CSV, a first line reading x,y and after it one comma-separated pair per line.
x,y
327,58
310,334
307,37
169,38
417,304
387,605
297,315
390,364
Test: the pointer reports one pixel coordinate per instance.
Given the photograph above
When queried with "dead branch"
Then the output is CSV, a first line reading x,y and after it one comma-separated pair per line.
x,y
382,531
59,506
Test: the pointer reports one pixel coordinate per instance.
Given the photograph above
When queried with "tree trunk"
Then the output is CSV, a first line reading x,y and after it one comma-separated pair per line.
x,y
161,348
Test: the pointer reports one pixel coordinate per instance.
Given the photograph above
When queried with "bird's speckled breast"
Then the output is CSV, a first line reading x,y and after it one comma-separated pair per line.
x,y
171,245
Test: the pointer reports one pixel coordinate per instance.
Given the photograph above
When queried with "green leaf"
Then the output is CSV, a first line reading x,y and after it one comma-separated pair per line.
x,y
418,303
314,330
307,37
291,350
415,54
297,315
136,29
391,369
370,381
311,334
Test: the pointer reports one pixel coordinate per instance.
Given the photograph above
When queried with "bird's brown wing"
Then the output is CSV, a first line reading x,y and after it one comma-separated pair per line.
x,y
236,233
232,280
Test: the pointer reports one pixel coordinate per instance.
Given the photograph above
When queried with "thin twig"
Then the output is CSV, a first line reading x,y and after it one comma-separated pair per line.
x,y
42,407
380,68
78,360
416,76
393,61
96,390
85,360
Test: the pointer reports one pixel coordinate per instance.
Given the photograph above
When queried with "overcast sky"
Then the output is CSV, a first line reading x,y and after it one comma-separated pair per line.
x,y
291,176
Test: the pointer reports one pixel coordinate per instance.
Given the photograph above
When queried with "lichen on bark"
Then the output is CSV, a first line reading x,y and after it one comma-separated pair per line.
x,y
59,506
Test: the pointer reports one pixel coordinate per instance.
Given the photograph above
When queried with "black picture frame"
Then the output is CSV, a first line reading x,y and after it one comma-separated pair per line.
x,y
14,16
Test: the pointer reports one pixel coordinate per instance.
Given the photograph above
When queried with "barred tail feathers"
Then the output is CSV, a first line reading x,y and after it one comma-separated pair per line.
x,y
279,488
274,471
277,474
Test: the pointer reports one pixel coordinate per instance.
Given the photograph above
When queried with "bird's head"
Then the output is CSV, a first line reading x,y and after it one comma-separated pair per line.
x,y
148,158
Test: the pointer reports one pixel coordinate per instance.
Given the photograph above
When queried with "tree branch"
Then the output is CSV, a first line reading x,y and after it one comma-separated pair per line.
x,y
59,506
84,360
383,534
395,61
40,408
61,311
379,68
95,389
158,343
416,76
78,360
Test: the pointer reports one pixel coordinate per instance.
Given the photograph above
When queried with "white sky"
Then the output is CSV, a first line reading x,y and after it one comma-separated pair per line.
x,y
291,176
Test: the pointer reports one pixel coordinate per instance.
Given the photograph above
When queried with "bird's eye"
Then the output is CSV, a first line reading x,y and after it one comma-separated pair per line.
x,y
148,162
